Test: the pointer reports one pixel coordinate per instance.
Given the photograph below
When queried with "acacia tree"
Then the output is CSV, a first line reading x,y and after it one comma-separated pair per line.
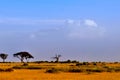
x,y
23,55
3,56
57,57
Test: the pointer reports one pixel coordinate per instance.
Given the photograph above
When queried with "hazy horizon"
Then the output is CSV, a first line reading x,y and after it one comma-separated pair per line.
x,y
84,30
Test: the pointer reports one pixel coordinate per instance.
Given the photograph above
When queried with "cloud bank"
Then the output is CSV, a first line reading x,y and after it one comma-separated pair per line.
x,y
74,29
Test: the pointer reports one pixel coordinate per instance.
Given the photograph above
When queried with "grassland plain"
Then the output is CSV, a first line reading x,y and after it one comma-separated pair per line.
x,y
39,73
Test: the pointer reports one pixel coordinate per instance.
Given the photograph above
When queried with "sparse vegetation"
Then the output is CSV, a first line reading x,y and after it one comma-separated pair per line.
x,y
61,69
66,67
27,67
6,70
69,66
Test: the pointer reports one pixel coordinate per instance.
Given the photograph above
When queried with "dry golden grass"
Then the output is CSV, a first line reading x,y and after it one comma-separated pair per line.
x,y
27,74
40,75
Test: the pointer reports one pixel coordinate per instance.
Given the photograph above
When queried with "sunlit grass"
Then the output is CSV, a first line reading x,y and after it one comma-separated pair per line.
x,y
58,71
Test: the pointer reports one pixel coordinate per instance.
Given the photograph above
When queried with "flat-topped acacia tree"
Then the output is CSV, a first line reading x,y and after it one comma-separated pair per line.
x,y
23,55
3,56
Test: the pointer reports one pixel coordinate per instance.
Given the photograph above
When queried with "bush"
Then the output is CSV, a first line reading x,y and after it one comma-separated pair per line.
x,y
27,67
110,70
94,63
113,69
68,61
25,64
17,67
116,62
94,70
74,61
75,70
79,64
85,63
1,70
6,70
117,69
52,70
9,70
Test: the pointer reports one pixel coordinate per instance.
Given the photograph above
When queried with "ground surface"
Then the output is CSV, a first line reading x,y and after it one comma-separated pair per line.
x,y
27,74
40,75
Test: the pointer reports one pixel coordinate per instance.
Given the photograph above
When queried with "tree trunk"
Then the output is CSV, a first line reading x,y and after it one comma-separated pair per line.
x,y
22,60
57,60
27,60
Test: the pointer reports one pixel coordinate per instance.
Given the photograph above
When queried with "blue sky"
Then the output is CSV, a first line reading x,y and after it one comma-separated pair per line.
x,y
84,30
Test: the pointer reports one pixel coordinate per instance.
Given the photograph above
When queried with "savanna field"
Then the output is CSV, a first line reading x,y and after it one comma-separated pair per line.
x,y
60,71
59,39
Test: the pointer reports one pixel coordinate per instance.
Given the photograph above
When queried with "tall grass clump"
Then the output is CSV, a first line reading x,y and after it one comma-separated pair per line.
x,y
6,70
53,70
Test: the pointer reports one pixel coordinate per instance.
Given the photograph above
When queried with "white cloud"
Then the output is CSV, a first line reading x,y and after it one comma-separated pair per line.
x,y
86,29
71,22
89,22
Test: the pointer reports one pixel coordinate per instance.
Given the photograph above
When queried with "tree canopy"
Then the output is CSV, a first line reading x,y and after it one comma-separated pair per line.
x,y
23,55
3,56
